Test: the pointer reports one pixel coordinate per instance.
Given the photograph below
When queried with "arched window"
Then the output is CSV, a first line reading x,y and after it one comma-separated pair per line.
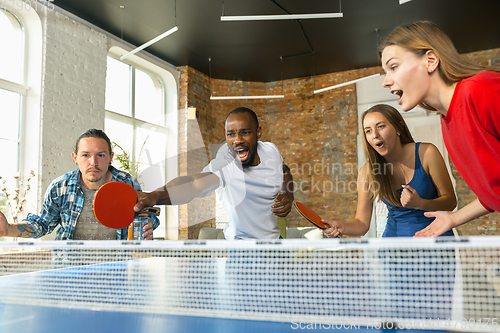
x,y
136,122
12,41
20,91
12,90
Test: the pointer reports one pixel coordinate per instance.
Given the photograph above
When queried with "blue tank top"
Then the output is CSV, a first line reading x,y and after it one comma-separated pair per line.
x,y
405,222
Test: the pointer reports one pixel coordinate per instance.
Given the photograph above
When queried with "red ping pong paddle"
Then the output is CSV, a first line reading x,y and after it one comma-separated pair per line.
x,y
114,205
309,215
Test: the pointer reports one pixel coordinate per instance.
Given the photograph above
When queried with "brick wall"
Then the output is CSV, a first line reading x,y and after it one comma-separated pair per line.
x,y
316,135
194,142
73,88
485,225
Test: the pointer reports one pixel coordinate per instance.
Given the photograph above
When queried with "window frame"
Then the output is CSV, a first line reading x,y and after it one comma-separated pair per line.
x,y
139,123
169,77
18,88
29,89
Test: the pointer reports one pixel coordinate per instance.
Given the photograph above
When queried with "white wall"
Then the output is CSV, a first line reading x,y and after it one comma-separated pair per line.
x,y
73,87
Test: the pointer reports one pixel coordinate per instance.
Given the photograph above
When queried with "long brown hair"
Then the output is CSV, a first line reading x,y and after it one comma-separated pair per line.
x,y
381,183
422,36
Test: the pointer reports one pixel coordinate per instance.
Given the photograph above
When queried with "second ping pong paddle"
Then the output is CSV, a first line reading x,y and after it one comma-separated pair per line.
x,y
114,205
309,215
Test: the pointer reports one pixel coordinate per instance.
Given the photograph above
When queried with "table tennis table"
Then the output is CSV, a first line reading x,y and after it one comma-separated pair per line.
x,y
43,319
199,292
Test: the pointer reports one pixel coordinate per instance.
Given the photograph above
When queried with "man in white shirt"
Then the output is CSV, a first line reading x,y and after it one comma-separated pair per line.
x,y
247,175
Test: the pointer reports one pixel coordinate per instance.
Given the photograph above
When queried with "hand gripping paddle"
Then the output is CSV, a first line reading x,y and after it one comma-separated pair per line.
x,y
309,215
114,205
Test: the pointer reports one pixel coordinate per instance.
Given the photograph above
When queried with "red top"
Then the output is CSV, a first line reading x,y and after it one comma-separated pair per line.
x,y
471,131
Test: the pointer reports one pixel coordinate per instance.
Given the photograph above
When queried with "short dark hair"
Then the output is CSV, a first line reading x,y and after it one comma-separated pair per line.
x,y
93,133
242,109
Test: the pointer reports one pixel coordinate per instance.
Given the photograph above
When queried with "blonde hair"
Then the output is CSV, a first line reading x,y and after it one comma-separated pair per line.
x,y
422,36
385,183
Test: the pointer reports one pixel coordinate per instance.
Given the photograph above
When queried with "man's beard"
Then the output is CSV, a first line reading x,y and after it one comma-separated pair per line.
x,y
95,180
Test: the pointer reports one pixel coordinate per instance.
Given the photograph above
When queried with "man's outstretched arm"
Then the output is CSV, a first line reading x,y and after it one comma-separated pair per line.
x,y
179,191
15,230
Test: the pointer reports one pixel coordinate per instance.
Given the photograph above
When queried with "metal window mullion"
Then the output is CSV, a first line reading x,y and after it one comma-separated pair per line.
x,y
138,121
14,87
19,133
10,140
20,119
132,108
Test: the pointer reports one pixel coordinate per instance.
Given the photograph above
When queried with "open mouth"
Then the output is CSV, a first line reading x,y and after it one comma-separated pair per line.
x,y
242,153
379,144
399,93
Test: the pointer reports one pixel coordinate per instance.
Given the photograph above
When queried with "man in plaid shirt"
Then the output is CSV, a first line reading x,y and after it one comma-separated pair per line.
x,y
68,202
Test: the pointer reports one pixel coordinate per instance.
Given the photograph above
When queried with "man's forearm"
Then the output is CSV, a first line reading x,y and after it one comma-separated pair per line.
x,y
178,191
162,196
182,190
288,182
20,230
289,194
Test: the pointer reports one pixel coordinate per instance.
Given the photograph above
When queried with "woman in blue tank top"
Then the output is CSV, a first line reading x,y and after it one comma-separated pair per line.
x,y
409,177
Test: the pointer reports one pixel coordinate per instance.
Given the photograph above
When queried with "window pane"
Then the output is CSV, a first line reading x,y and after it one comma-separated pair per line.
x,y
140,131
10,115
12,42
154,149
147,99
9,169
118,87
121,133
152,159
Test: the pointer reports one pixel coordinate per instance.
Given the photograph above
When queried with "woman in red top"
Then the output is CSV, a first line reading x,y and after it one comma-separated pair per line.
x,y
423,67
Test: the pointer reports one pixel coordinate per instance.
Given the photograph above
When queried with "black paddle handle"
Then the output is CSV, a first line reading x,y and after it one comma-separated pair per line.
x,y
151,211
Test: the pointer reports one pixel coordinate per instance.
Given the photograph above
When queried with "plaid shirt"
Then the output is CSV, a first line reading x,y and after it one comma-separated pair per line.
x,y
63,204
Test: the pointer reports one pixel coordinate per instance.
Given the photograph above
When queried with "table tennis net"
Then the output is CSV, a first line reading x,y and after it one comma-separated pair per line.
x,y
444,283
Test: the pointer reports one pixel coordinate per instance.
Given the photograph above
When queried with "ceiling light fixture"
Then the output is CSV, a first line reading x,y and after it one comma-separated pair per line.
x,y
344,84
403,1
281,17
247,97
157,38
286,16
152,41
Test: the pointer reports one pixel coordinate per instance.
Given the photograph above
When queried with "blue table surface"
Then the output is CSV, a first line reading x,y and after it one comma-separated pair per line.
x,y
16,318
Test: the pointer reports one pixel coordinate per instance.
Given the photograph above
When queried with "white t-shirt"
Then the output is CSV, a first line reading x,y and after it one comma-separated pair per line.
x,y
247,193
